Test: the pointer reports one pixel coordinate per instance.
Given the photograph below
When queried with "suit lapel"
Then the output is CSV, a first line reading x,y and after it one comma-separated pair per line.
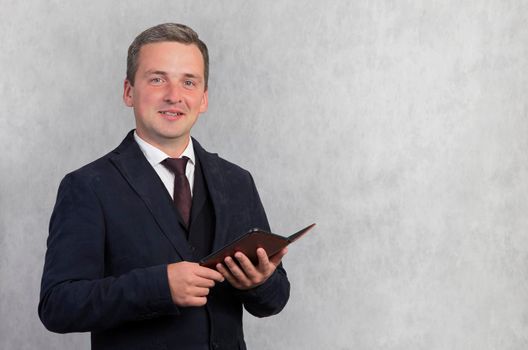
x,y
135,168
214,180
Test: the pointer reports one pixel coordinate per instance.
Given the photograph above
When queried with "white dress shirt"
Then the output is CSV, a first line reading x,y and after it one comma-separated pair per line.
x,y
155,156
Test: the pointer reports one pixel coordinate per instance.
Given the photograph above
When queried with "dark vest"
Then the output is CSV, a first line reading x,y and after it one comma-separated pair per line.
x,y
202,223
200,236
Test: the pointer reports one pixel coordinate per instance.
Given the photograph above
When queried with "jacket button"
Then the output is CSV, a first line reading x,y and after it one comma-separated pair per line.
x,y
216,346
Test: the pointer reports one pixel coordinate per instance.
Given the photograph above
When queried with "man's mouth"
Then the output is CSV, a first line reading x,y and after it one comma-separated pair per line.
x,y
171,114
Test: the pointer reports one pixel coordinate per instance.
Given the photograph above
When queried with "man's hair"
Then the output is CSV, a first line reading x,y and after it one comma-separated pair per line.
x,y
165,32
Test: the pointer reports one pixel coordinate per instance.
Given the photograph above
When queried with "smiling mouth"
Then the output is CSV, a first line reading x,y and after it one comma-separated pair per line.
x,y
171,114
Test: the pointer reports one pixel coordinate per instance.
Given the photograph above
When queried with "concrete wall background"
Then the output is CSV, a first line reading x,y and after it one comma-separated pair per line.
x,y
400,127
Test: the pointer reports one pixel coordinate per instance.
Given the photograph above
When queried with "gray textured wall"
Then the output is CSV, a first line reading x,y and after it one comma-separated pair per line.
x,y
400,127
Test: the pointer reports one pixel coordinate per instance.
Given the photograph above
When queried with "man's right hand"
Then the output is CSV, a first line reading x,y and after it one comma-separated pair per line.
x,y
190,283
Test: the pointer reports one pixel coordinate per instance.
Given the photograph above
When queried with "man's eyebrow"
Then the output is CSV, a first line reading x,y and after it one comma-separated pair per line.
x,y
165,74
193,76
156,72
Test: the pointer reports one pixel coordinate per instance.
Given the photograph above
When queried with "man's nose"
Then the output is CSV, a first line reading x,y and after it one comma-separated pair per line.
x,y
173,94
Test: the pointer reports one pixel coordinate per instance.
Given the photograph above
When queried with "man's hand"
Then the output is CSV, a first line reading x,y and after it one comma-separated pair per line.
x,y
245,275
190,283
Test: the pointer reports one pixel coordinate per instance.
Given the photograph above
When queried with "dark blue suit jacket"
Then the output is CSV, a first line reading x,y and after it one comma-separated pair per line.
x,y
112,233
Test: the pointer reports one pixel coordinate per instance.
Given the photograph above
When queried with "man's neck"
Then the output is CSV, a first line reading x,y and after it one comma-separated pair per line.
x,y
173,149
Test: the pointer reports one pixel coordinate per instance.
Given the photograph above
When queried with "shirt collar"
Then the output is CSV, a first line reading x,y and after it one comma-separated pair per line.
x,y
155,156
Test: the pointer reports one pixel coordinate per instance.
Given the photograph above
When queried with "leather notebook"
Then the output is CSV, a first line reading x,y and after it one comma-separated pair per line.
x,y
249,242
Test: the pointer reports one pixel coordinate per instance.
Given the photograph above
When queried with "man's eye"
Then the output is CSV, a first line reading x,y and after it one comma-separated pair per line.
x,y
156,80
189,83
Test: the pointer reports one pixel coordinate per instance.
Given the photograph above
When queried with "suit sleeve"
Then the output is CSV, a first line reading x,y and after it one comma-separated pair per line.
x,y
270,297
76,295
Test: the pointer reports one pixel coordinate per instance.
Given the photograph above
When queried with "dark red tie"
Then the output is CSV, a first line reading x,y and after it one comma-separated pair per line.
x,y
182,190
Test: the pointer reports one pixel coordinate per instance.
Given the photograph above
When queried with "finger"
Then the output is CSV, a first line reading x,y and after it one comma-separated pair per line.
x,y
247,266
228,275
208,273
276,259
192,299
235,270
262,256
195,301
194,291
204,282
200,292
220,267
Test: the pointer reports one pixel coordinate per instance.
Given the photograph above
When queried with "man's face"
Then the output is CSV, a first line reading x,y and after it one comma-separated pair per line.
x,y
168,93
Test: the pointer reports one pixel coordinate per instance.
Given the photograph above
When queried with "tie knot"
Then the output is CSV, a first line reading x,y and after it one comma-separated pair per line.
x,y
176,165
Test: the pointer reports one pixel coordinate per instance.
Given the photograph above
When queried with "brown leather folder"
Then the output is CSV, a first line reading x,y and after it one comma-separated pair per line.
x,y
249,242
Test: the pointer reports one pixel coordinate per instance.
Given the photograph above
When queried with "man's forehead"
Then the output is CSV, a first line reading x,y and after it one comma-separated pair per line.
x,y
170,45
161,53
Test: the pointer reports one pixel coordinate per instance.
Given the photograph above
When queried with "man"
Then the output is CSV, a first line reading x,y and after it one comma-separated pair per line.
x,y
128,229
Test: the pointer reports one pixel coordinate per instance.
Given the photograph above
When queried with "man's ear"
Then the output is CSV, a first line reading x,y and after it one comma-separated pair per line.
x,y
128,91
204,104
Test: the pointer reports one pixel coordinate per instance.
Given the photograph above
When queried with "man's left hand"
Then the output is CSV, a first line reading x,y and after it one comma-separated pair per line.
x,y
245,275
